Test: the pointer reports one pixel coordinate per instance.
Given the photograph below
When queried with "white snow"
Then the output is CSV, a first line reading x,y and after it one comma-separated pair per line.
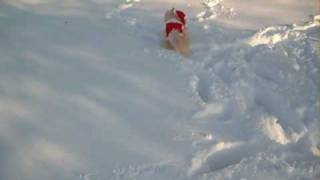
x,y
87,92
252,14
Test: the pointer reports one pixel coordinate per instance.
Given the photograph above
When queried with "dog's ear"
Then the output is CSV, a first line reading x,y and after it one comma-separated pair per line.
x,y
172,10
169,14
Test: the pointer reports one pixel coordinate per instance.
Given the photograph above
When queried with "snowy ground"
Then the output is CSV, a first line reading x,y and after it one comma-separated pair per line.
x,y
86,92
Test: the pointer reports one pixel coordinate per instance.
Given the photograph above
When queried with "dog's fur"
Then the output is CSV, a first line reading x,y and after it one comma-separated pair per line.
x,y
177,41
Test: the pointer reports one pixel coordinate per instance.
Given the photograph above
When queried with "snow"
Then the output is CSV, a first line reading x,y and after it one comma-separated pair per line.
x,y
252,14
87,93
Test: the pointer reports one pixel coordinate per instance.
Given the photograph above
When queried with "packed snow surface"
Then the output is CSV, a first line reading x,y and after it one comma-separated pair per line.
x,y
87,93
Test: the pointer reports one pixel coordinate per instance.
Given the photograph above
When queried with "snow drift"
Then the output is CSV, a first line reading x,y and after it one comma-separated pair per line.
x,y
88,94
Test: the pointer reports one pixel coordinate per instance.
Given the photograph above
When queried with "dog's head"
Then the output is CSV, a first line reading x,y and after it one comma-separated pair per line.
x,y
170,14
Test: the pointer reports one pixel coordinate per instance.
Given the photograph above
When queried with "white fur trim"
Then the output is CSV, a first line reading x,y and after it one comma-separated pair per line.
x,y
173,20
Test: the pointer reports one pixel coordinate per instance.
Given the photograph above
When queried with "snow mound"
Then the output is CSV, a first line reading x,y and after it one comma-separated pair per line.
x,y
273,130
201,162
275,34
315,139
258,103
314,23
270,36
267,166
315,150
213,9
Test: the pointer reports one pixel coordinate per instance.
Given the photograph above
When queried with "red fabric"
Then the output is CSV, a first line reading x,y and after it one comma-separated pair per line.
x,y
173,25
181,15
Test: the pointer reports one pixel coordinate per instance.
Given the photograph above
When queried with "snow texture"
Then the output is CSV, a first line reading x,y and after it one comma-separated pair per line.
x,y
87,93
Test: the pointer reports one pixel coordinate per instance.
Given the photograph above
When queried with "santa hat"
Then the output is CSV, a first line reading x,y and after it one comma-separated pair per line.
x,y
181,15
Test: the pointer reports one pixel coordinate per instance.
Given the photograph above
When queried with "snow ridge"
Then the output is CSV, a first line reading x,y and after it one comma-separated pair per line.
x,y
275,34
259,89
213,9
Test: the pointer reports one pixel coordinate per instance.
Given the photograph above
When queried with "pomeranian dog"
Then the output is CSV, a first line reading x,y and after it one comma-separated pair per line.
x,y
176,35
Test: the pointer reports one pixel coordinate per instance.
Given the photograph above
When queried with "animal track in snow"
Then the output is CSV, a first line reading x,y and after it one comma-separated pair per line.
x,y
209,110
219,156
209,88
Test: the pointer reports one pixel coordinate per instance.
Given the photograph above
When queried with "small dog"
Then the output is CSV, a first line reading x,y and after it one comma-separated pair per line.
x,y
176,36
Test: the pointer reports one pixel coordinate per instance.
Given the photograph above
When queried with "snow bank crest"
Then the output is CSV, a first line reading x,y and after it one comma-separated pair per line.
x,y
315,139
272,35
211,3
275,132
314,23
315,150
213,9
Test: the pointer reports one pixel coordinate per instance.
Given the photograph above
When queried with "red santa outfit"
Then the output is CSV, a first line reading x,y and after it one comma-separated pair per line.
x,y
176,24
